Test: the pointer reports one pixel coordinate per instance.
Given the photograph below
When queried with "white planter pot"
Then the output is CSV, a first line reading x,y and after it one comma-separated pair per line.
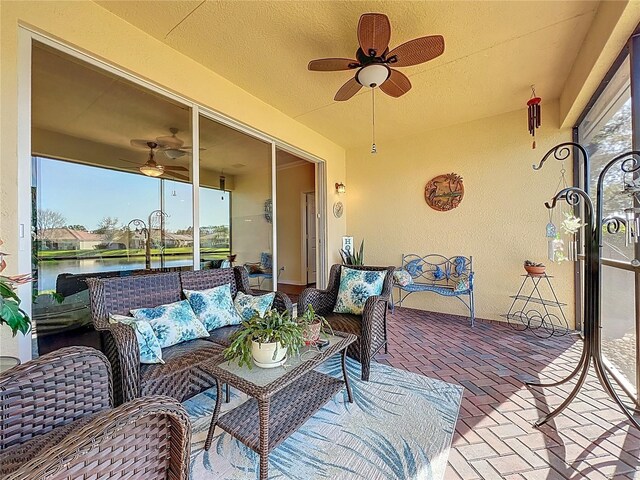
x,y
263,354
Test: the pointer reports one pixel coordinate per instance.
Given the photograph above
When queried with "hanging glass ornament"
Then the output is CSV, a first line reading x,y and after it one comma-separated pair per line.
x,y
551,234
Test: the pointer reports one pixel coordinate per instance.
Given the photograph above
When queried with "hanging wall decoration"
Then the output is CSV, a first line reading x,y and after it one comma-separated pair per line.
x,y
533,114
444,192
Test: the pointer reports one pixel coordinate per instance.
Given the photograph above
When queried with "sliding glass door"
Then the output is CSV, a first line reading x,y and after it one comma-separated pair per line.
x,y
236,206
606,130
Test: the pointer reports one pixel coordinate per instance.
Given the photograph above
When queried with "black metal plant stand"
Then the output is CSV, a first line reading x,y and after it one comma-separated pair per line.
x,y
531,310
591,353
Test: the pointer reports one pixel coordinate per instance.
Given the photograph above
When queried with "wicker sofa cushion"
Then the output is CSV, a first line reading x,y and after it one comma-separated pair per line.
x,y
13,457
214,306
180,376
172,323
221,336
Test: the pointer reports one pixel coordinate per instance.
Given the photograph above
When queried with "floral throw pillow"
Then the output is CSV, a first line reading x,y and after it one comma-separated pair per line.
x,y
402,278
172,323
356,286
250,305
462,285
214,306
148,344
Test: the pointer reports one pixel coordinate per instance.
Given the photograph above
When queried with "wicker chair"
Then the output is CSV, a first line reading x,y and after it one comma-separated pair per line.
x,y
147,438
370,327
180,376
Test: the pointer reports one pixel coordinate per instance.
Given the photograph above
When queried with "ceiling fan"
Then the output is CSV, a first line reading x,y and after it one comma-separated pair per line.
x,y
151,168
374,58
172,146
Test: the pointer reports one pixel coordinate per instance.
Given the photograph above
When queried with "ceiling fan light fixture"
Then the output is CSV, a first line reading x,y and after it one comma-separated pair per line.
x,y
151,170
373,75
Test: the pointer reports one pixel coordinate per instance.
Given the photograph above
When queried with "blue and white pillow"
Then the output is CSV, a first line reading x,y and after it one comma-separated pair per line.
x,y
356,286
172,323
148,344
402,278
250,305
214,306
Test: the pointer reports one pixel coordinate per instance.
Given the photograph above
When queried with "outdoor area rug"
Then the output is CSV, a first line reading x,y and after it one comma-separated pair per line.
x,y
400,427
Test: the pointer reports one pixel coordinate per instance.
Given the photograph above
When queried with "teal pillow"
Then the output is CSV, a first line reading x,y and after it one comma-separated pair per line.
x,y
148,344
172,323
402,278
356,286
214,306
250,305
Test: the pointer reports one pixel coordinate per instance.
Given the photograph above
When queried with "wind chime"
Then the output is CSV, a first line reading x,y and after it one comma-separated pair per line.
x,y
631,188
569,226
533,114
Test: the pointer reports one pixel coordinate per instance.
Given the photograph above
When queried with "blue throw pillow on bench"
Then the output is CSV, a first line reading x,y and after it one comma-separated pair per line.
x,y
214,306
172,323
148,344
356,286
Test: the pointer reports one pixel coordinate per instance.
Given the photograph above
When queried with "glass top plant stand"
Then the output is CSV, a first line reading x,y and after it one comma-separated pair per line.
x,y
281,399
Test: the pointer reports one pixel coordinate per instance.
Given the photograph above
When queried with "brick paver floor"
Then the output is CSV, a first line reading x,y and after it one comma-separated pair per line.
x,y
494,435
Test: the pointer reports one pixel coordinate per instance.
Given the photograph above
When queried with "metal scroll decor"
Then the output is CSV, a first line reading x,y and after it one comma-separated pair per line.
x,y
595,223
444,192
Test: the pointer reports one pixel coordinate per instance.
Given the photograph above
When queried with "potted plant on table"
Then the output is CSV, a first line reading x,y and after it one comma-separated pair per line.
x,y
533,268
312,326
265,341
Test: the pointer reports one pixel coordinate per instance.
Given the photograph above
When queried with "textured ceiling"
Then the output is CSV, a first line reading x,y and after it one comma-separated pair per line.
x,y
494,52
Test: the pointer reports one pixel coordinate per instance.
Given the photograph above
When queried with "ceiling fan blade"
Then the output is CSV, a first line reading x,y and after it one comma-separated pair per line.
x,y
332,64
396,85
176,168
141,143
347,90
176,175
418,50
374,33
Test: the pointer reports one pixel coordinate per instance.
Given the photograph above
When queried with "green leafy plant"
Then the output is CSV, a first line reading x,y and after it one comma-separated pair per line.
x,y
353,258
273,327
10,312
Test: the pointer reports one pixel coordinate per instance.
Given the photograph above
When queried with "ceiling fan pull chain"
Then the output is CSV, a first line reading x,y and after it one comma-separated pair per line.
x,y
373,123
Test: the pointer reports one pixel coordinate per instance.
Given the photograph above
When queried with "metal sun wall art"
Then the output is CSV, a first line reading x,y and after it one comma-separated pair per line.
x,y
444,192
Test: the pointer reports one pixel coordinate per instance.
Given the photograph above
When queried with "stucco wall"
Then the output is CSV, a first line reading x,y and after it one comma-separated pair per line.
x,y
501,221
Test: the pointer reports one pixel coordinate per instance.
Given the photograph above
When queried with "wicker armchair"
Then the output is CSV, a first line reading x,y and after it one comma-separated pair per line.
x,y
180,376
370,327
45,400
147,438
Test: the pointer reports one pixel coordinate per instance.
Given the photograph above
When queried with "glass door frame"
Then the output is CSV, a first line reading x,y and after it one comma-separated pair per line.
x,y
631,50
26,37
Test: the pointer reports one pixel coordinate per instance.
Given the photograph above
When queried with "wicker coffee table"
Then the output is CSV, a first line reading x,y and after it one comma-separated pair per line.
x,y
282,398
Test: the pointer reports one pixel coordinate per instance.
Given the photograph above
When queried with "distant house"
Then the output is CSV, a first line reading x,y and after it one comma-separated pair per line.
x,y
68,239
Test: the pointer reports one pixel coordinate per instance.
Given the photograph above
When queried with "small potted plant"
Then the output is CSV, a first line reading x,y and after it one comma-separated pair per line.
x,y
533,268
312,325
265,341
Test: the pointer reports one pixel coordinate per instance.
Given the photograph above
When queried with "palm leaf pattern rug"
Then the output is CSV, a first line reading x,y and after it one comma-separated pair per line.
x,y
399,427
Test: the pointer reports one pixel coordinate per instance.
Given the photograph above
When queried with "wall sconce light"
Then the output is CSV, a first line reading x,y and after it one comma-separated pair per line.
x,y
340,188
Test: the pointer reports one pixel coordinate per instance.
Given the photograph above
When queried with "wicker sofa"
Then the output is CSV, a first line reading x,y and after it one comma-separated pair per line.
x,y
58,423
370,327
180,376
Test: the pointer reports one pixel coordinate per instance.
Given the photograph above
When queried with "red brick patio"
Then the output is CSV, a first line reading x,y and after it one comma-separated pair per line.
x,y
494,437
